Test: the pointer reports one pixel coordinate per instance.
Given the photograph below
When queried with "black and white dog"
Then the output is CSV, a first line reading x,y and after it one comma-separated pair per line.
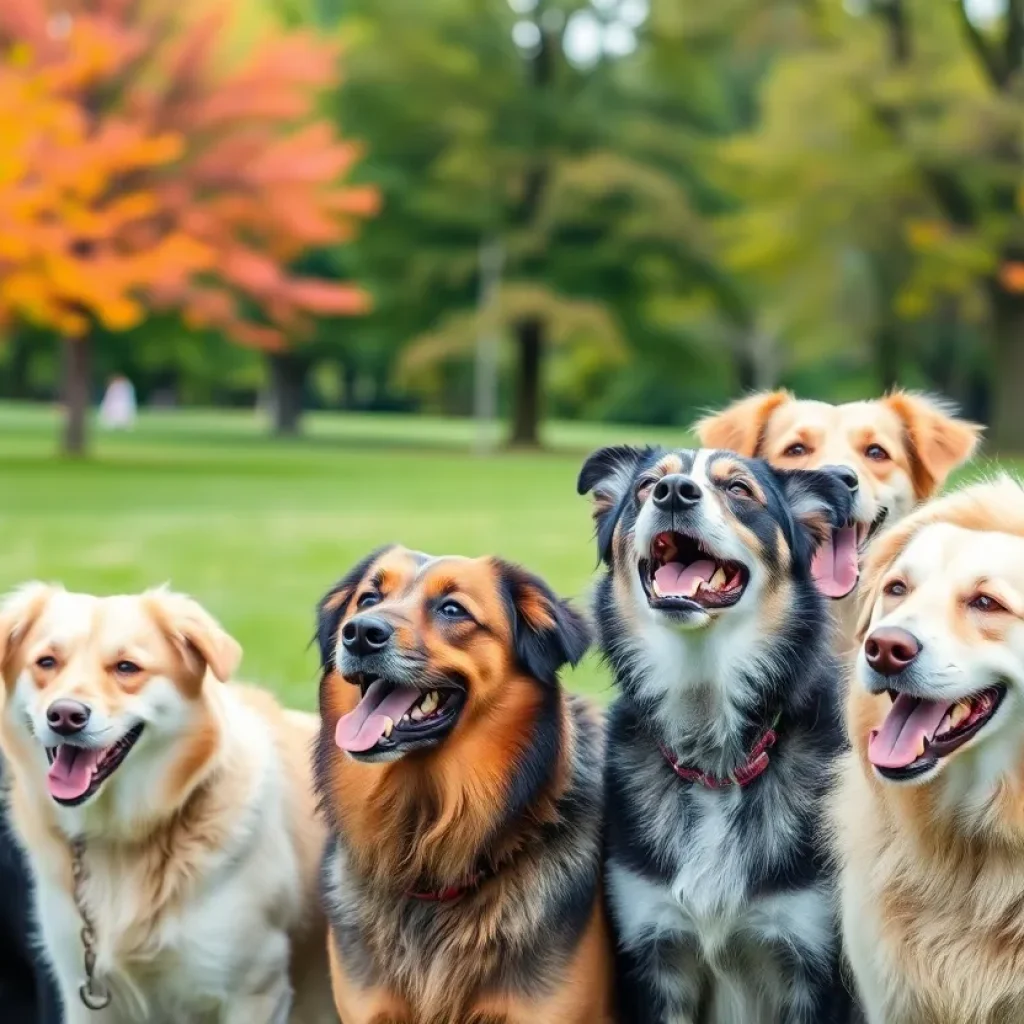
x,y
27,992
722,740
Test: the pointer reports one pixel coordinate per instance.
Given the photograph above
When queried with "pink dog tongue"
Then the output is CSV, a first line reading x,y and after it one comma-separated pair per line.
x,y
676,580
835,563
911,721
71,772
362,728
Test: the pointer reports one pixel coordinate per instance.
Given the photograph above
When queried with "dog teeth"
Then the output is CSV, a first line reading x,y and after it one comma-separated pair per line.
x,y
958,714
430,702
416,714
718,581
388,727
405,717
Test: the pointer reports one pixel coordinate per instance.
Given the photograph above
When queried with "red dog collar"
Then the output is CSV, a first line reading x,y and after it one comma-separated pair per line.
x,y
754,766
453,892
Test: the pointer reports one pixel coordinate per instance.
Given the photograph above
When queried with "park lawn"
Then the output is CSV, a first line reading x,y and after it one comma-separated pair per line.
x,y
258,528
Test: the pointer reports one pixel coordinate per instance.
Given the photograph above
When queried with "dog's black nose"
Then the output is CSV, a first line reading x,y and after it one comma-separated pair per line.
x,y
889,650
847,475
676,492
366,634
66,717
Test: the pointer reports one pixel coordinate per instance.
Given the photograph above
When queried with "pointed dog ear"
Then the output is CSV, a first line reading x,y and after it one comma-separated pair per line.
x,y
334,604
937,441
547,632
18,610
819,501
607,474
740,427
195,632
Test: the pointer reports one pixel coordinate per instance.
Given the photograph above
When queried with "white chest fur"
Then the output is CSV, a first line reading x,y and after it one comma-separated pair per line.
x,y
734,943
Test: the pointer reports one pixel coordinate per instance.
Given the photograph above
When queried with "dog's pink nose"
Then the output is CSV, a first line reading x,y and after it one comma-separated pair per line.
x,y
66,717
889,650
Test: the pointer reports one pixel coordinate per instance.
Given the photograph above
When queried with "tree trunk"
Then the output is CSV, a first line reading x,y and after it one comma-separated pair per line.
x,y
744,367
887,356
527,399
77,386
349,385
1007,431
288,385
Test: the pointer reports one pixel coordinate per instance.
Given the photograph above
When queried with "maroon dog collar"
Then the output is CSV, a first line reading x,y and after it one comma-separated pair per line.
x,y
453,892
754,766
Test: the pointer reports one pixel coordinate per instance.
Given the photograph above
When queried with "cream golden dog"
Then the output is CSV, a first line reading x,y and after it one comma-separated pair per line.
x,y
168,818
929,816
895,452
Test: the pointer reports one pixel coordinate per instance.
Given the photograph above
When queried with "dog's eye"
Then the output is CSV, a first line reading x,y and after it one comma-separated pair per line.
x,y
46,662
984,603
368,599
127,668
877,453
453,610
740,489
895,588
644,484
794,451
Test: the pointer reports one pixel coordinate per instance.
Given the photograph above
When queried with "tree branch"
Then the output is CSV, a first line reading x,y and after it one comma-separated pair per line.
x,y
1014,36
996,70
895,16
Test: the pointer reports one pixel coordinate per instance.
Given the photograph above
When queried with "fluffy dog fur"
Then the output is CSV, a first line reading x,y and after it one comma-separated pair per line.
x,y
201,847
933,860
722,910
27,994
497,795
901,447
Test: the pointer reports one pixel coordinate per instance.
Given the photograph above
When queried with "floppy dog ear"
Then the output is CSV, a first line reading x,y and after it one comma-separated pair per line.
x,y
194,631
18,610
547,632
332,607
937,441
819,502
607,474
740,427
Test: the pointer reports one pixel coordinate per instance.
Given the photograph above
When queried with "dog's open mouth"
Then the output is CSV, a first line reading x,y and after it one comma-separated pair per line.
x,y
917,732
390,716
76,773
866,531
682,575
836,565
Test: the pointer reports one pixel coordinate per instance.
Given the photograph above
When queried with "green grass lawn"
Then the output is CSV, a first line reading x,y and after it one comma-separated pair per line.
x,y
257,529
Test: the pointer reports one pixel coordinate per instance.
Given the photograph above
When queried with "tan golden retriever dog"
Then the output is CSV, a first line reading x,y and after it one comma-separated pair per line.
x,y
189,803
930,813
894,452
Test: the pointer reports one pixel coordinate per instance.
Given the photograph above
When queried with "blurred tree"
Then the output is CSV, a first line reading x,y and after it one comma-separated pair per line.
x,y
155,176
879,195
554,130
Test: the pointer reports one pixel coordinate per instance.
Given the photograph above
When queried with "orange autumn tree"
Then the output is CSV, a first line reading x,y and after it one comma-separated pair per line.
x,y
144,170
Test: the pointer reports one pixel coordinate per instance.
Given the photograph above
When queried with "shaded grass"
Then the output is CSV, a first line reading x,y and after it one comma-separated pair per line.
x,y
258,528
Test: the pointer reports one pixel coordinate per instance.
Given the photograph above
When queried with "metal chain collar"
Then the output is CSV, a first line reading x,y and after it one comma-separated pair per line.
x,y
94,994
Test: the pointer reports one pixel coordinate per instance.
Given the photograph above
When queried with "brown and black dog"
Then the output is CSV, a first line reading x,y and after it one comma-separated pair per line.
x,y
462,787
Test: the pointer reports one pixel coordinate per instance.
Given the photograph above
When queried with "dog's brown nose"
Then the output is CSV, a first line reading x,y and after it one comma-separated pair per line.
x,y
66,717
889,650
